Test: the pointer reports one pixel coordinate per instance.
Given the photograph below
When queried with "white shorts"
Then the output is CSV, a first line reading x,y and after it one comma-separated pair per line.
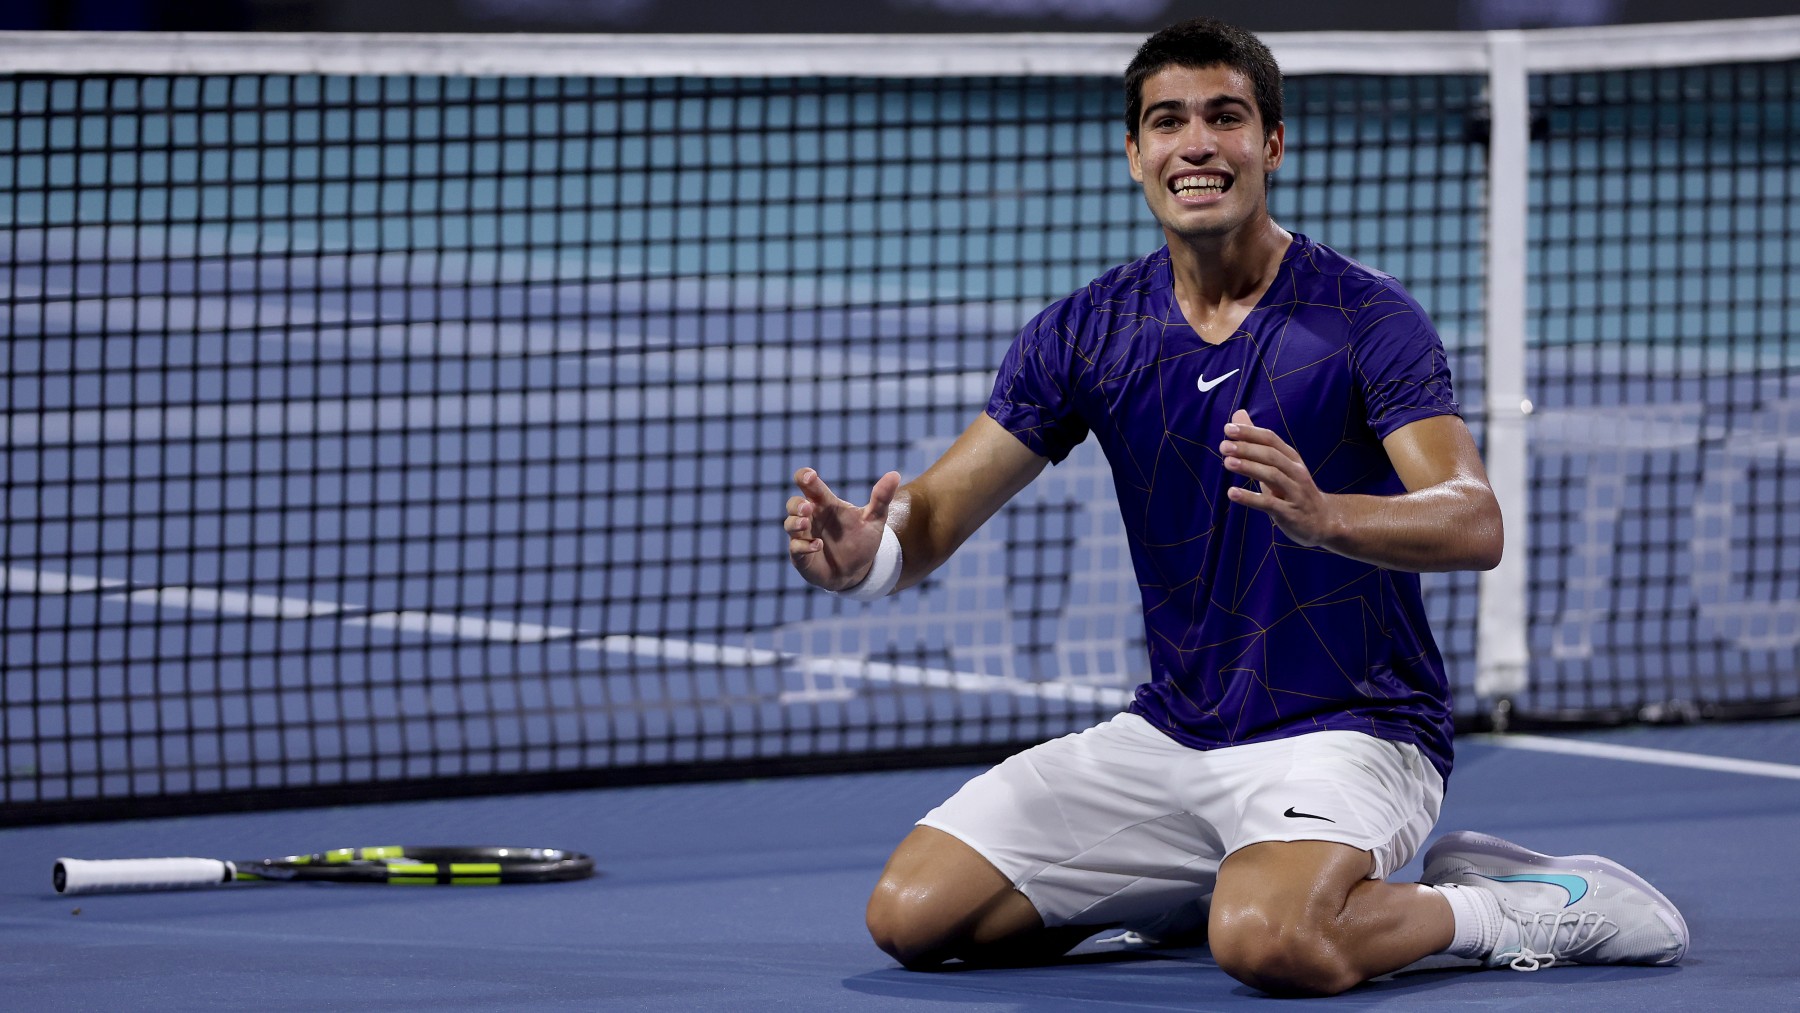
x,y
1122,825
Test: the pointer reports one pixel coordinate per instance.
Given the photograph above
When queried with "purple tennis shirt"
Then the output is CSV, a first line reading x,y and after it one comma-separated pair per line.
x,y
1252,637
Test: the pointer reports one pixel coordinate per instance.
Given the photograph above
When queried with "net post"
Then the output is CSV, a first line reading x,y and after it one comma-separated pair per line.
x,y
1501,649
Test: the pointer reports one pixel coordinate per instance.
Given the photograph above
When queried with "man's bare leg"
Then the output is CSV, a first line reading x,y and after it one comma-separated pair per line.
x,y
1302,918
938,900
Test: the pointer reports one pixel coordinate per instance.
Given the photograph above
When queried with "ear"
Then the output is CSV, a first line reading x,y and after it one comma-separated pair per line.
x,y
1131,157
1274,147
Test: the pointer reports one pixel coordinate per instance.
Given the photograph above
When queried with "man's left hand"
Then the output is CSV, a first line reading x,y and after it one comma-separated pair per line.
x,y
1286,490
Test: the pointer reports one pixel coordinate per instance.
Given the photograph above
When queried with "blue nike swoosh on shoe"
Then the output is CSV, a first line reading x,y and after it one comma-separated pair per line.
x,y
1575,885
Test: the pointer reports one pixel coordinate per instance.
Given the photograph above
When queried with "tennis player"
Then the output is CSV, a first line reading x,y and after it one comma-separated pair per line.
x,y
1285,441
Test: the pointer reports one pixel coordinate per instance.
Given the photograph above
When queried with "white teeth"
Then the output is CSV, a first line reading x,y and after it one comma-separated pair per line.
x,y
1194,186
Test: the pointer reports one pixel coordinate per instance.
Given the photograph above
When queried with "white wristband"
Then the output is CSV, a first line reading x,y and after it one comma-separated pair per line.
x,y
883,575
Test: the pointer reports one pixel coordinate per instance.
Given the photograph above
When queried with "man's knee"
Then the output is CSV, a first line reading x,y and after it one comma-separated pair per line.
x,y
938,898
907,925
1277,916
1281,956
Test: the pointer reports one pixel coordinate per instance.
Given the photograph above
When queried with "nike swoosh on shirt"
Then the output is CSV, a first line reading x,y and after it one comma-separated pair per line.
x,y
1291,814
1576,886
1206,385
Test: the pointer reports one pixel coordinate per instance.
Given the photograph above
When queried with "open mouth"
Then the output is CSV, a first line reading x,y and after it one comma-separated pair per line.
x,y
1200,186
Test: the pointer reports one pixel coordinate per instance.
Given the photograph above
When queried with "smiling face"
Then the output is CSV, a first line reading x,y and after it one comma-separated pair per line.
x,y
1201,152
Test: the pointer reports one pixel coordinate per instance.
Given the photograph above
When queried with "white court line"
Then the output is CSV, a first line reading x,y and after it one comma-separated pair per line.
x,y
22,581
963,682
1639,754
461,627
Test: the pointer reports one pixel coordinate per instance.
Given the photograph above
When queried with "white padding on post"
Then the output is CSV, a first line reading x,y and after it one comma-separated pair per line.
x,y
75,875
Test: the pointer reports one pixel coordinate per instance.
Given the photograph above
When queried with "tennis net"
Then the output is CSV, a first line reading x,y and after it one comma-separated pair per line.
x,y
390,417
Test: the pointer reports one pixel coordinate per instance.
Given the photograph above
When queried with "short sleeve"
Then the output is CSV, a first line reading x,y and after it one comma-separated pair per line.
x,y
1401,367
1033,394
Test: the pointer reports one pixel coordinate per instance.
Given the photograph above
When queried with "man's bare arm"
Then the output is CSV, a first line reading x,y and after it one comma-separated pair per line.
x,y
1447,519
832,542
938,511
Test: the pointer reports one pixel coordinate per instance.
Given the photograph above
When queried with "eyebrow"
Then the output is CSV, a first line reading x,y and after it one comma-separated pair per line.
x,y
1215,101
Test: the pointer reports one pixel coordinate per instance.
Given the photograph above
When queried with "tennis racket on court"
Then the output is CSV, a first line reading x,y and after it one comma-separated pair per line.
x,y
394,865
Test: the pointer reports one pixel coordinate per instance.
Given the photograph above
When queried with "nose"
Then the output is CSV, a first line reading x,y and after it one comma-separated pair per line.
x,y
1199,143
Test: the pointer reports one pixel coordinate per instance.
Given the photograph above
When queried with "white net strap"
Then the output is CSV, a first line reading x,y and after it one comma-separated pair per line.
x,y
1011,55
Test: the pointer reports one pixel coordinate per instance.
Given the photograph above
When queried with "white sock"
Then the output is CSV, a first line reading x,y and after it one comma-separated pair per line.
x,y
1477,915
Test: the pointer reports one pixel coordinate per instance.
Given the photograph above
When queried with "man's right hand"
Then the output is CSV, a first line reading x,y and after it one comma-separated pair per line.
x,y
831,541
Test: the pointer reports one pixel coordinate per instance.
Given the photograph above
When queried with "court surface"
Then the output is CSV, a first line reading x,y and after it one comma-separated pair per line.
x,y
749,895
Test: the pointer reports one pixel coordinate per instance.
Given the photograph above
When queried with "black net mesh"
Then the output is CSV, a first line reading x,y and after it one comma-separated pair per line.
x,y
372,432
1665,284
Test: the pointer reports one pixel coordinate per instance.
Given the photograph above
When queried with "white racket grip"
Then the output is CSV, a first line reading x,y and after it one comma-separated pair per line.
x,y
76,875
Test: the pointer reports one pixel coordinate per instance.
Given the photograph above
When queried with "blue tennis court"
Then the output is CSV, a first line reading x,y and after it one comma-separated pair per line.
x,y
749,895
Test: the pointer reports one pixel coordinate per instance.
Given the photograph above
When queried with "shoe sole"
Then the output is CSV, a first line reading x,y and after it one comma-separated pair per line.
x,y
1486,846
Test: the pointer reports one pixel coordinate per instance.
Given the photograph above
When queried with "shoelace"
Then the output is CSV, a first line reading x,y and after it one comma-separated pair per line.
x,y
1584,928
1526,960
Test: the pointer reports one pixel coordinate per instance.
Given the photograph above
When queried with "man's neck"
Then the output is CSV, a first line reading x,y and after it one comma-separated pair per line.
x,y
1219,270
1218,280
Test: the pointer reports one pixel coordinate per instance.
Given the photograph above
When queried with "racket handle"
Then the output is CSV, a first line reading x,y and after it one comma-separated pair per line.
x,y
75,875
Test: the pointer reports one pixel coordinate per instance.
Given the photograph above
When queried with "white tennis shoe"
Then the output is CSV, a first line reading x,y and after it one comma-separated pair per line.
x,y
1576,909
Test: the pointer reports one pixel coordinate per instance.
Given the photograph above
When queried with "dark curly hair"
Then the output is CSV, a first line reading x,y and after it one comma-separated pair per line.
x,y
1205,42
